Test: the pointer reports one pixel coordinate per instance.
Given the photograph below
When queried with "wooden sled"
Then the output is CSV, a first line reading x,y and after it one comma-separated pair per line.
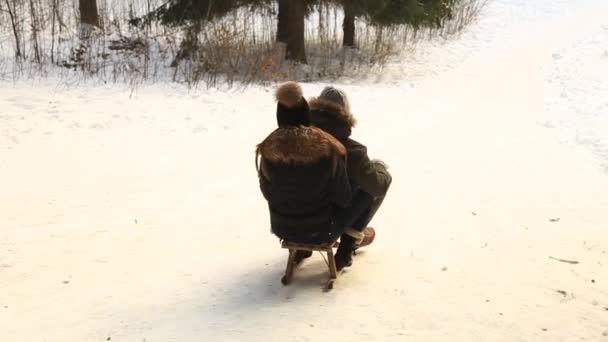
x,y
291,265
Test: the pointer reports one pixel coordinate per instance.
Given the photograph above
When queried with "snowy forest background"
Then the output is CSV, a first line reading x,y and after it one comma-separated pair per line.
x,y
216,43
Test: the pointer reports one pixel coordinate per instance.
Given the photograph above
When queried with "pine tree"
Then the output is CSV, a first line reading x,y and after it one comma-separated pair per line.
x,y
180,12
292,13
418,13
291,18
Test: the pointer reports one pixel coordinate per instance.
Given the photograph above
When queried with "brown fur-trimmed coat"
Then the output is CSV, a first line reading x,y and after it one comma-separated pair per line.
x,y
302,174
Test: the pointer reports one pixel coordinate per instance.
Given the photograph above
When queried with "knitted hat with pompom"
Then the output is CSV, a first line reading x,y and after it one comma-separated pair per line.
x,y
292,108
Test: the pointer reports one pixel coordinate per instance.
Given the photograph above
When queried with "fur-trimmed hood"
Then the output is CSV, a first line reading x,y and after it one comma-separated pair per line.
x,y
299,145
332,118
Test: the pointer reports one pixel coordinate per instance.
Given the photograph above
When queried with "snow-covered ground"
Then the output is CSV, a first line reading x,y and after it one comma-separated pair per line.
x,y
136,216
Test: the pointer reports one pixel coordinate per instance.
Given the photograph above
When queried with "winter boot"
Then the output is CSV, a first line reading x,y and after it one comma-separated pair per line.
x,y
362,238
343,255
369,234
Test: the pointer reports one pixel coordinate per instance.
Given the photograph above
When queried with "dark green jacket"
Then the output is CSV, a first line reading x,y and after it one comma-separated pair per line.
x,y
303,177
364,174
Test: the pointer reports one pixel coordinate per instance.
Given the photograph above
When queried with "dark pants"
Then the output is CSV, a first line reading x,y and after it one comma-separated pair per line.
x,y
356,216
361,211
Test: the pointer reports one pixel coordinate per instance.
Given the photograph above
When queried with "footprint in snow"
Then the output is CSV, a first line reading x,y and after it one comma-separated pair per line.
x,y
199,129
548,124
97,126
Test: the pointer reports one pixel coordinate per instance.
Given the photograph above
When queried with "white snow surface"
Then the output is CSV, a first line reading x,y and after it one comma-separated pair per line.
x,y
136,216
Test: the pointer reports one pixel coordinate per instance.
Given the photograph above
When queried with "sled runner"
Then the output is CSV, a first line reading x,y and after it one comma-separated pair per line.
x,y
292,264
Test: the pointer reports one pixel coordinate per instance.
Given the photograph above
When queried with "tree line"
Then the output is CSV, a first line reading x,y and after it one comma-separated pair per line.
x,y
220,41
291,15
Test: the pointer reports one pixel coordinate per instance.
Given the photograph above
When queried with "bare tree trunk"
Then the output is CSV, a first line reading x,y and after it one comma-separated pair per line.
x,y
53,11
283,19
296,50
12,14
60,20
34,25
88,12
348,27
322,30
